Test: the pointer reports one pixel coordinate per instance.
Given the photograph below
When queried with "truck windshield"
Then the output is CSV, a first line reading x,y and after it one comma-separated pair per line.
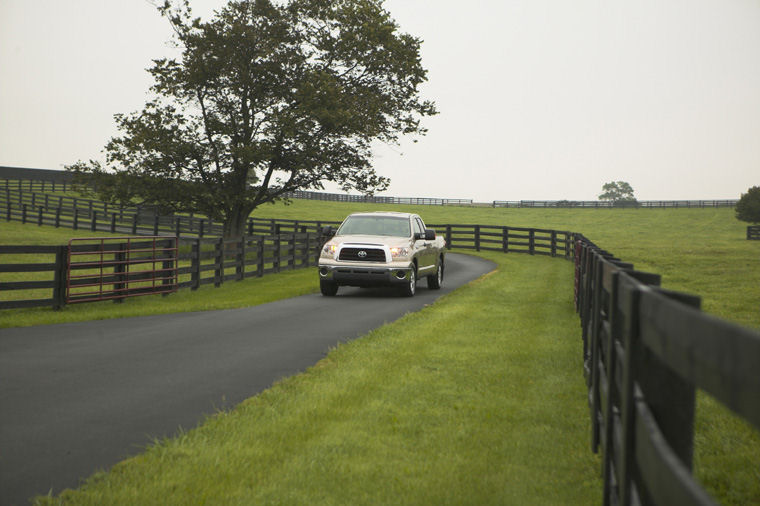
x,y
375,225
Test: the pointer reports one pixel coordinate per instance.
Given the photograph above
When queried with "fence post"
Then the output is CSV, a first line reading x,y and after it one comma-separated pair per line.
x,y
477,237
76,218
155,224
23,214
277,251
135,219
448,237
58,217
195,264
113,223
219,262
505,239
292,251
178,226
39,217
260,256
240,260
532,241
59,277
307,250
94,215
554,243
200,229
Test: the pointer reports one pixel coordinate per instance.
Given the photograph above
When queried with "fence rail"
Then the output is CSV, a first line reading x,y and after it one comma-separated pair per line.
x,y
753,233
645,352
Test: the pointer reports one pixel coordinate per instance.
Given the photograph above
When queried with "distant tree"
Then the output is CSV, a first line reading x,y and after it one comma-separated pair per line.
x,y
617,192
748,207
266,98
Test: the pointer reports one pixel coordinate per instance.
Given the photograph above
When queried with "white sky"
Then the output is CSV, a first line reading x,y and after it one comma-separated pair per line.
x,y
538,99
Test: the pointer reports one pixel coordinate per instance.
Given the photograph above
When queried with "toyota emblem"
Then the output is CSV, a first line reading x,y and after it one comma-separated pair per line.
x,y
362,254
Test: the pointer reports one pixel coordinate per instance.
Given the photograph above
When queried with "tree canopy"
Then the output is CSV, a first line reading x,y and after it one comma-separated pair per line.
x,y
266,98
748,207
617,192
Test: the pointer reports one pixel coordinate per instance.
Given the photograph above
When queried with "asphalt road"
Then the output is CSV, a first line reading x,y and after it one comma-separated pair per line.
x,y
76,398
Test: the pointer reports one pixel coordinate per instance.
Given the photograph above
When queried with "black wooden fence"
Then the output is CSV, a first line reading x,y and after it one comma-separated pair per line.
x,y
645,352
97,216
599,204
40,180
200,262
753,233
409,201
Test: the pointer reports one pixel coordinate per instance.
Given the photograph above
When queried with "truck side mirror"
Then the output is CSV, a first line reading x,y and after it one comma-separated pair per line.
x,y
429,234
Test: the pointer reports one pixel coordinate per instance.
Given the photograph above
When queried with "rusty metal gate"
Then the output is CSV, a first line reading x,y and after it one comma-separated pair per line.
x,y
113,268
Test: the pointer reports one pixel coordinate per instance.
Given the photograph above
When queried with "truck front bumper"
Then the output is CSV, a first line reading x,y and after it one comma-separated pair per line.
x,y
364,275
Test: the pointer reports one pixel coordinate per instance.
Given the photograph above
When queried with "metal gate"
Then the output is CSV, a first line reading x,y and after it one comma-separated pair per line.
x,y
113,268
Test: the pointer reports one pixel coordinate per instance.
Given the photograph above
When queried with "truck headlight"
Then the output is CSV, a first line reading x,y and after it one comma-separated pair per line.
x,y
399,252
329,250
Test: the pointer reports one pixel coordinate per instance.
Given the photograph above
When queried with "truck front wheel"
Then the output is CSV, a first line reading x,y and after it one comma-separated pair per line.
x,y
411,285
328,288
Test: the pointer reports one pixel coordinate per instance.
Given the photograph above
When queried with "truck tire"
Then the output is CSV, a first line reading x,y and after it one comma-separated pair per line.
x,y
435,281
411,286
327,288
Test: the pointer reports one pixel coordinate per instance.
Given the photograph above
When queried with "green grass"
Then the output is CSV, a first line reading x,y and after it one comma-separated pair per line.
x,y
476,400
702,251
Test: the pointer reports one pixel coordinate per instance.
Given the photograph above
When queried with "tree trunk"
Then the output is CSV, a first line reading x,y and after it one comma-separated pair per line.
x,y
236,224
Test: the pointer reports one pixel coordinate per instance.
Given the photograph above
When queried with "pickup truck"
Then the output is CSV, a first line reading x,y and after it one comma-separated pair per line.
x,y
382,248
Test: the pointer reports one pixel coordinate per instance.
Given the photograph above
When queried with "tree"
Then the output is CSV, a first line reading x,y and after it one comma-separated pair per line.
x,y
748,207
618,192
266,98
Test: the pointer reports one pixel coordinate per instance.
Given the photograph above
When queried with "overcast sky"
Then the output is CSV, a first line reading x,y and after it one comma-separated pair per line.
x,y
538,99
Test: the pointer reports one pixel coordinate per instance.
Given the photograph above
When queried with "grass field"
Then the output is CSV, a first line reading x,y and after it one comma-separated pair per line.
x,y
499,451
470,401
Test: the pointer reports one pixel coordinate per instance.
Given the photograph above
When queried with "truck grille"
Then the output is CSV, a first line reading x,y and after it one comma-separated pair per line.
x,y
362,255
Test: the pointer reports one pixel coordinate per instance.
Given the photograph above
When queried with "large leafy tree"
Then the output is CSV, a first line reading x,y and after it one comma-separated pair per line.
x,y
618,192
266,98
748,207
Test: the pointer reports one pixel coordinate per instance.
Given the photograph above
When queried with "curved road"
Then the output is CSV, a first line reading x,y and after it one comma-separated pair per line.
x,y
79,397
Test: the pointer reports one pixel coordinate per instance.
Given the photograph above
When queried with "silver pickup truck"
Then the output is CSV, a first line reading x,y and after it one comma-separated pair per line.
x,y
382,248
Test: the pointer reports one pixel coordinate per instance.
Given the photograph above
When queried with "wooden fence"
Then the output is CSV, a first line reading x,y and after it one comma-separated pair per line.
x,y
597,204
200,262
645,352
409,201
39,181
753,233
97,216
